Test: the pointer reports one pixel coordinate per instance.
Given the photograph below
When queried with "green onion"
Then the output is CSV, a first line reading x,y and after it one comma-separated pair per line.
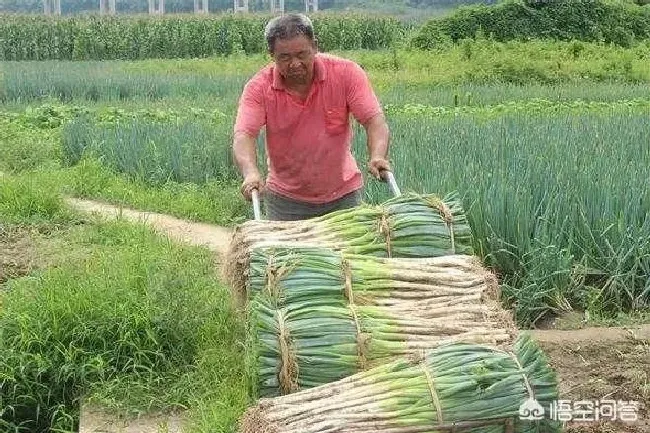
x,y
462,387
319,315
408,226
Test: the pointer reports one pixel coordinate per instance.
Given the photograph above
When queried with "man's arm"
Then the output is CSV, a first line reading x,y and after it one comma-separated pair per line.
x,y
365,107
251,116
245,153
378,135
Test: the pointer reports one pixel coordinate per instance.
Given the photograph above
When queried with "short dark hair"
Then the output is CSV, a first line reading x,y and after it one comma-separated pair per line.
x,y
287,27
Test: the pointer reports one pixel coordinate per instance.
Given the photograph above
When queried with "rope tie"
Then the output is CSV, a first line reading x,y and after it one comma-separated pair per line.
x,y
272,279
447,217
384,230
361,337
432,390
288,376
275,274
531,393
347,280
362,340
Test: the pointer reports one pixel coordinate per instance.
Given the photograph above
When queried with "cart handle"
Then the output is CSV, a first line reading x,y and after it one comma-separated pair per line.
x,y
256,204
387,176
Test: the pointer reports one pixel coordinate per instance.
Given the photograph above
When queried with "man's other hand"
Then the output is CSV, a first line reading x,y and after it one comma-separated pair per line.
x,y
376,165
252,181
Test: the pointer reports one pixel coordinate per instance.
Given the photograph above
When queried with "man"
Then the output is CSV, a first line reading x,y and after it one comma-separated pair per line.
x,y
305,99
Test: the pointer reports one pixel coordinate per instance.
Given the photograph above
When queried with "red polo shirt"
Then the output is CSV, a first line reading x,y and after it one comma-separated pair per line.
x,y
308,143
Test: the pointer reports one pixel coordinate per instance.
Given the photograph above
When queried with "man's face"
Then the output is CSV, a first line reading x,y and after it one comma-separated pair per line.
x,y
295,58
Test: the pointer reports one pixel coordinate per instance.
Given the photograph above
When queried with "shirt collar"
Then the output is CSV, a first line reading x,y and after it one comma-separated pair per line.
x,y
320,73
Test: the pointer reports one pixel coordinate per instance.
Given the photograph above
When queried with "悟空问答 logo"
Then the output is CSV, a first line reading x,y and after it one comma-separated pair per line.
x,y
531,410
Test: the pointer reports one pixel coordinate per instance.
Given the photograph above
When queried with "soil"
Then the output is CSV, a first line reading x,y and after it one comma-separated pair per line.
x,y
18,256
591,363
95,420
602,363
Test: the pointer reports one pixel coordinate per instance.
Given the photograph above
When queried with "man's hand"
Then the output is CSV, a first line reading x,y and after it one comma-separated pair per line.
x,y
376,165
252,181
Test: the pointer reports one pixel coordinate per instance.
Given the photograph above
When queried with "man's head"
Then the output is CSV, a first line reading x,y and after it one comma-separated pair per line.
x,y
292,45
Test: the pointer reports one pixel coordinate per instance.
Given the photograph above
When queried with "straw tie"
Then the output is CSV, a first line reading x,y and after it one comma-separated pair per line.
x,y
362,338
347,278
432,390
274,275
272,278
447,217
288,376
531,393
384,230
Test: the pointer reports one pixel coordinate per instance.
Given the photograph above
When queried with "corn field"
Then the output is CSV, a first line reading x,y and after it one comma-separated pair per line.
x,y
142,37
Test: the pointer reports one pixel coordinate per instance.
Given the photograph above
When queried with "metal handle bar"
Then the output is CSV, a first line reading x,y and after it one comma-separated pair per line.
x,y
390,178
386,175
256,204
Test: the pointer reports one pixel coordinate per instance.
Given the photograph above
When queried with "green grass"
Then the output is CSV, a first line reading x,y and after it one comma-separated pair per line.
x,y
24,147
26,200
632,319
136,323
216,202
580,320
33,146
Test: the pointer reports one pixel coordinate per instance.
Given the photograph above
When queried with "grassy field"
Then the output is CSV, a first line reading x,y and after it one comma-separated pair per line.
x,y
110,313
545,143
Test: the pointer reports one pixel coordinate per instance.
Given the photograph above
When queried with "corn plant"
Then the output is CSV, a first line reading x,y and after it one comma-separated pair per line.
x,y
139,37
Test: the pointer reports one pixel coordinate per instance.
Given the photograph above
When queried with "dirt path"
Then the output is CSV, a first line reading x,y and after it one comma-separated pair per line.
x,y
214,237
587,335
591,363
595,364
94,420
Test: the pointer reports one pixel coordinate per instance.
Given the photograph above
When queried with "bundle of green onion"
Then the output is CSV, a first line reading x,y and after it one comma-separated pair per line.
x,y
319,315
461,387
409,226
301,276
302,347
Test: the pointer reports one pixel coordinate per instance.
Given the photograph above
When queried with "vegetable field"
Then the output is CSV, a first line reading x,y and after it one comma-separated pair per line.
x,y
552,183
543,143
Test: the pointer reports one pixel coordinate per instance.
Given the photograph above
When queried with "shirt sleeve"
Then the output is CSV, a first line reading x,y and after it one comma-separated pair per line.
x,y
251,112
362,100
